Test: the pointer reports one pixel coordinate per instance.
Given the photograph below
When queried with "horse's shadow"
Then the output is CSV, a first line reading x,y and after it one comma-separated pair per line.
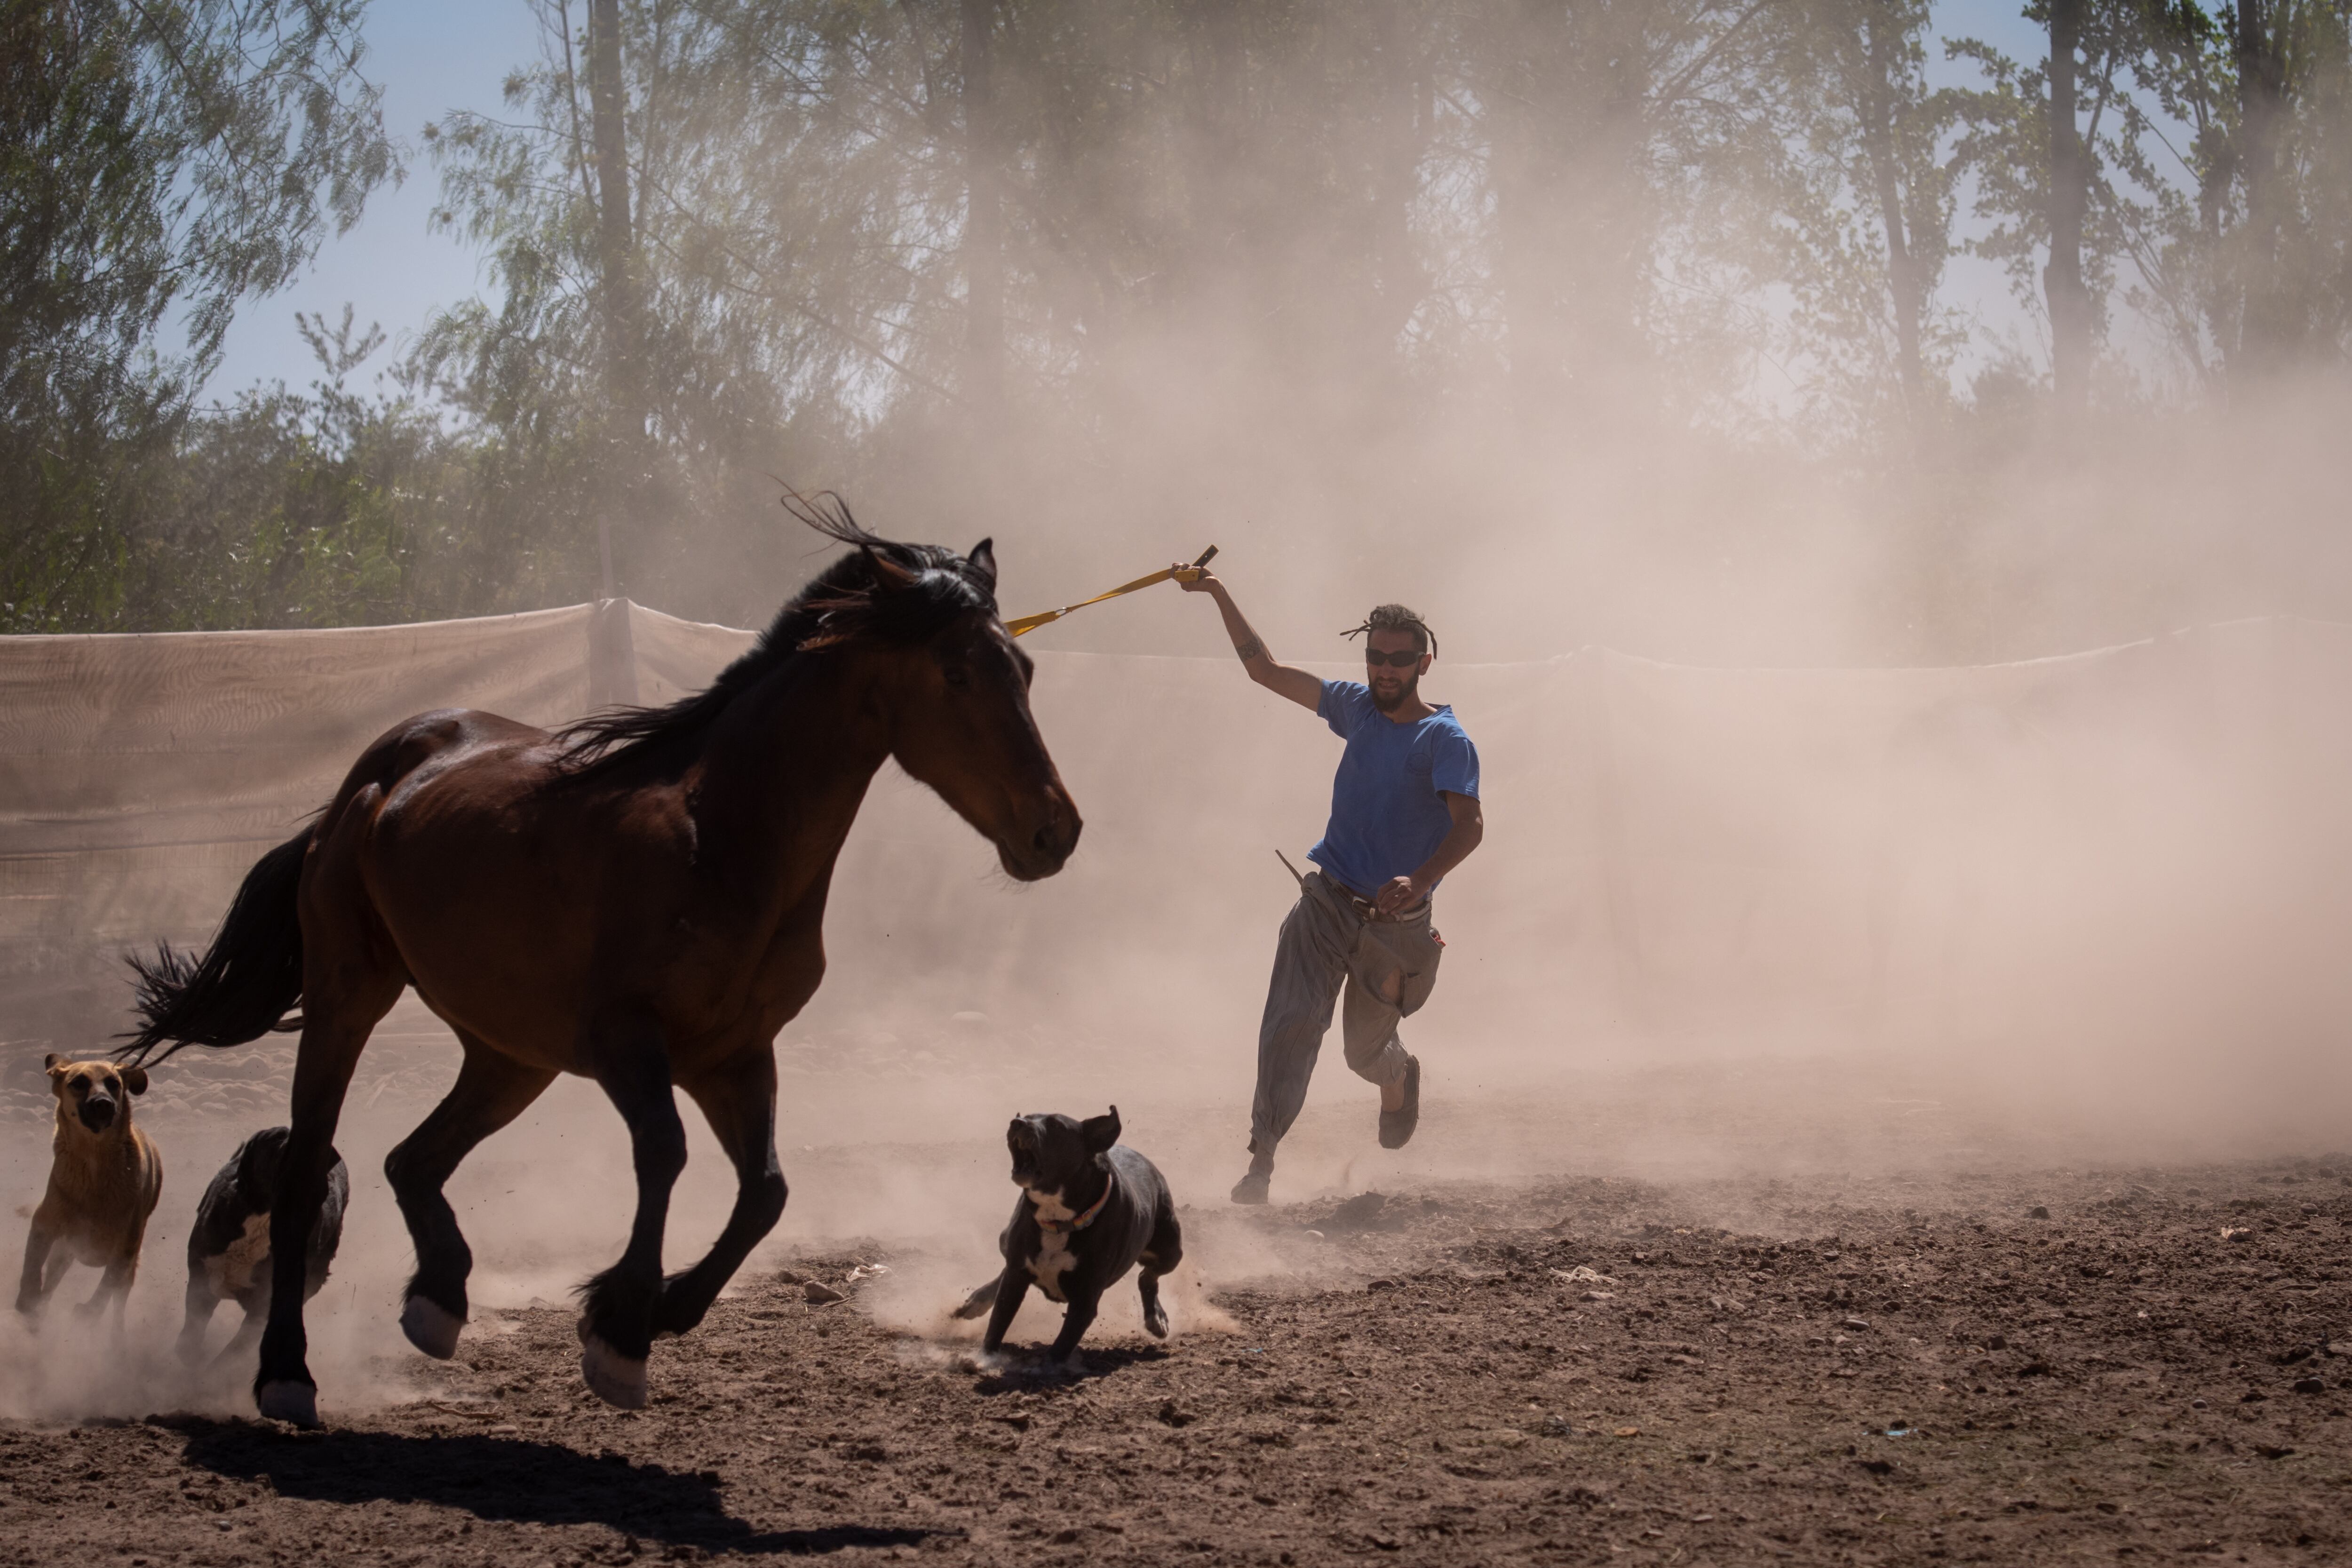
x,y
507,1479
1029,1371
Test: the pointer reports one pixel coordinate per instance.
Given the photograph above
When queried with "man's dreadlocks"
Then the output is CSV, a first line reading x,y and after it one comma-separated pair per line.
x,y
1397,618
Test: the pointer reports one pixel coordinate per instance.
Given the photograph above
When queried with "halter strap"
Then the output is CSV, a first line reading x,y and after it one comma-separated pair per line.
x,y
1084,1220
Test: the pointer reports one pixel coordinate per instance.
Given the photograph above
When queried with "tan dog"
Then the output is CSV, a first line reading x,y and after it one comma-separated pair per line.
x,y
103,1184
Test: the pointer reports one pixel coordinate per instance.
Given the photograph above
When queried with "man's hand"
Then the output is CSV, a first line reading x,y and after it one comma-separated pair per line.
x,y
1193,579
1399,893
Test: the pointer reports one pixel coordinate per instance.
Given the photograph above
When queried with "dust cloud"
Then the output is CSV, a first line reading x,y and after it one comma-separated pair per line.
x,y
1982,809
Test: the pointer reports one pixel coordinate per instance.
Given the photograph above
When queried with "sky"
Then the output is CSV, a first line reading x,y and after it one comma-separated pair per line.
x,y
436,56
430,57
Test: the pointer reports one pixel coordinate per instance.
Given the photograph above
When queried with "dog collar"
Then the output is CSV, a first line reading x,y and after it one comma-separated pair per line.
x,y
1084,1220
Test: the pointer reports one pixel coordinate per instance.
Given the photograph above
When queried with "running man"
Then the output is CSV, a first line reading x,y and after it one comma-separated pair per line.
x,y
1405,812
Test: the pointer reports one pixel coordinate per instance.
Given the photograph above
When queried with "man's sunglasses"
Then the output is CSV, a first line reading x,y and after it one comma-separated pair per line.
x,y
1403,659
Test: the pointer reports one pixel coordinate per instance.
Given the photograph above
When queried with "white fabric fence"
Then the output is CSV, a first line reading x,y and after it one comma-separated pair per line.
x,y
2149,836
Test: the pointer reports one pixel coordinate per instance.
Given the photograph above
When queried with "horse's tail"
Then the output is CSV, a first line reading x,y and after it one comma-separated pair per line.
x,y
248,980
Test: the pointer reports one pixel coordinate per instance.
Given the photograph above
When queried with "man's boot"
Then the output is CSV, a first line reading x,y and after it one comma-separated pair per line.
x,y
1397,1126
1251,1188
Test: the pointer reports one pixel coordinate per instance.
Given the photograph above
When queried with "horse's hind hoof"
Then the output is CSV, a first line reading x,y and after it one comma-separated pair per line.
x,y
618,1380
431,1327
282,1400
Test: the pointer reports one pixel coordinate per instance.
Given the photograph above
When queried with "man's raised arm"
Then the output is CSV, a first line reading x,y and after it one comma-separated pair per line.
x,y
1283,679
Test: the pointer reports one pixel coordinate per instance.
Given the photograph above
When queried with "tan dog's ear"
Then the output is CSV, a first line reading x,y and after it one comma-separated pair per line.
x,y
51,1063
135,1080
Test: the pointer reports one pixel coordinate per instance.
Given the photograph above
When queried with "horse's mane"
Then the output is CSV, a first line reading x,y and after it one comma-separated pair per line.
x,y
883,591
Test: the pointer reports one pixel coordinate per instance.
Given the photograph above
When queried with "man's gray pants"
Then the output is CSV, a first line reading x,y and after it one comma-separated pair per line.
x,y
1386,969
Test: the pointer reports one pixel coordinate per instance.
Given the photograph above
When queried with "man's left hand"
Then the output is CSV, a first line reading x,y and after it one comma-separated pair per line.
x,y
1398,893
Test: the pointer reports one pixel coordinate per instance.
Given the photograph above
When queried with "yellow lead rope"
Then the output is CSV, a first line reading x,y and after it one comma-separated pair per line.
x,y
1179,573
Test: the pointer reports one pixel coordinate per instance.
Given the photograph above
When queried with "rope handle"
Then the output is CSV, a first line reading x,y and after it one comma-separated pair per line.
x,y
1179,573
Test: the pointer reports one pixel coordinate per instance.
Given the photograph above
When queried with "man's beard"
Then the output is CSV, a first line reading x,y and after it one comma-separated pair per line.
x,y
1404,694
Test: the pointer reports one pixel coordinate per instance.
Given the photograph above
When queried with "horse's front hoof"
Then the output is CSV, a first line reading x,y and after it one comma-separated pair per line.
x,y
281,1400
618,1380
431,1327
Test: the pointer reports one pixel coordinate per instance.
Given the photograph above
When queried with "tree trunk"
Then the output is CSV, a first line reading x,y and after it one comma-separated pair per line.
x,y
983,234
1882,31
1527,83
1399,281
2268,327
618,273
2069,193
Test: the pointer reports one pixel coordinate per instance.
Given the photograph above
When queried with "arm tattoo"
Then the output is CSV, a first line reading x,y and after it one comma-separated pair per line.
x,y
1249,647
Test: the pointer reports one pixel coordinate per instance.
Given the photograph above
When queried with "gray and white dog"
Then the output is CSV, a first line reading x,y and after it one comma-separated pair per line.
x,y
1090,1209
229,1246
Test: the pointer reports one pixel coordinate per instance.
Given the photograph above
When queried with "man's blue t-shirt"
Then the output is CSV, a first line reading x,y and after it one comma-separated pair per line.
x,y
1387,800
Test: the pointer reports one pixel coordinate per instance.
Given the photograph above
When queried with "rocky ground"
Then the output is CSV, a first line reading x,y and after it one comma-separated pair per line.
x,y
2012,1368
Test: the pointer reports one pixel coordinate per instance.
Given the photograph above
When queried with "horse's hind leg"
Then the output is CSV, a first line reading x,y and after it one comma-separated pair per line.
x,y
739,1101
616,1327
492,1091
350,981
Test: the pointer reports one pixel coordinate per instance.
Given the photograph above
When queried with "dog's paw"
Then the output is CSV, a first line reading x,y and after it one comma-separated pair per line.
x,y
283,1400
431,1327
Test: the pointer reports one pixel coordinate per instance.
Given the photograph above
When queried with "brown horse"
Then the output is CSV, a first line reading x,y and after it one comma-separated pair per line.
x,y
638,900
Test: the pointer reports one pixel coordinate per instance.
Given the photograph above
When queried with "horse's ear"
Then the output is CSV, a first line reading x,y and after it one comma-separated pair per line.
x,y
1100,1132
890,571
982,559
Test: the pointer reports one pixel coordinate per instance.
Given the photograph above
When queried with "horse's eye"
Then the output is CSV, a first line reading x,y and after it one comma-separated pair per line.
x,y
957,675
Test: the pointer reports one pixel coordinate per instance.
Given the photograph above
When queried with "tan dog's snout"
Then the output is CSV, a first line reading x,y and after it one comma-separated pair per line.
x,y
94,1091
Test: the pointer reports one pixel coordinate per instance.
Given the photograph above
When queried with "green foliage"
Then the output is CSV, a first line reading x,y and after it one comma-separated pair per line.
x,y
2247,263
1316,232
159,161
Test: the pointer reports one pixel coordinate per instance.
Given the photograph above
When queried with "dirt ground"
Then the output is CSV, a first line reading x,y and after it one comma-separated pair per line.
x,y
2058,1367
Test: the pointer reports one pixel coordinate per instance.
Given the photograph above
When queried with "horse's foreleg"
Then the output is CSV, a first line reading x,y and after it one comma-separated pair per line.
x,y
740,1102
283,1388
616,1327
492,1091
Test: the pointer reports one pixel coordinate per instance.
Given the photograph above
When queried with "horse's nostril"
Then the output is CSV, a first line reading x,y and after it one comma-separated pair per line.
x,y
1041,840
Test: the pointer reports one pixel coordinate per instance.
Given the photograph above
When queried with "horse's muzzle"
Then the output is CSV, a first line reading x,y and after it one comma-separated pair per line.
x,y
1049,845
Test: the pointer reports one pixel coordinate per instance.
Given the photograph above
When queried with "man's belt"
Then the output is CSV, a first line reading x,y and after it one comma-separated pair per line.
x,y
1365,907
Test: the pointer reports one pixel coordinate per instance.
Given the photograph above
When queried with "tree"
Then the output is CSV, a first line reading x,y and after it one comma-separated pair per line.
x,y
1631,141
983,383
617,269
2250,269
160,163
1870,212
2042,143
